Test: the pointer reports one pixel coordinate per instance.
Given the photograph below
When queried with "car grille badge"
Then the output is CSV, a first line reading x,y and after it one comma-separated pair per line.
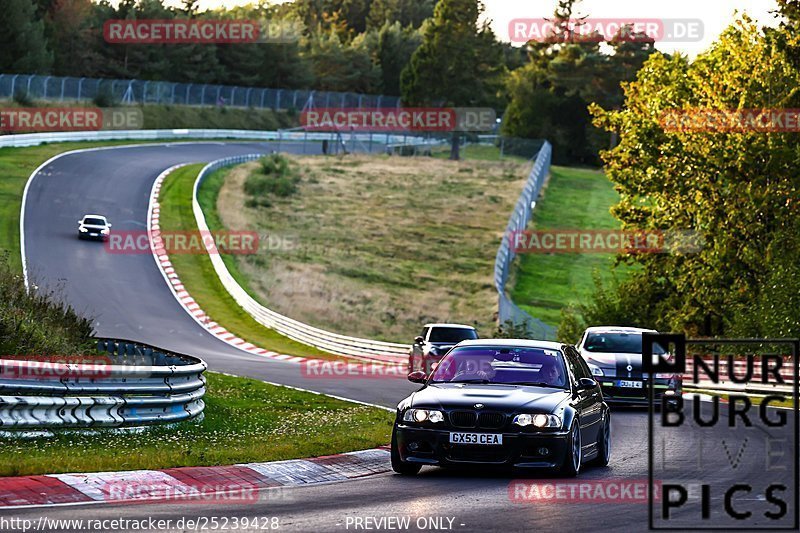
x,y
479,406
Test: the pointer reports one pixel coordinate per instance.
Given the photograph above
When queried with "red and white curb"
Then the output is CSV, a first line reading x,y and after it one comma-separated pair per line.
x,y
179,291
242,483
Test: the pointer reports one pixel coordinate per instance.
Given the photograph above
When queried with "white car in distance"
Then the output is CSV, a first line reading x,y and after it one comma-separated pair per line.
x,y
94,227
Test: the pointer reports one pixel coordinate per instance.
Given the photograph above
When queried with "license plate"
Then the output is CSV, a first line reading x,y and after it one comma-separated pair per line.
x,y
630,384
93,235
486,439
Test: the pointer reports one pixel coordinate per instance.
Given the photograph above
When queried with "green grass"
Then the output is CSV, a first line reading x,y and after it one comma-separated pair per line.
x,y
245,421
197,273
545,283
477,152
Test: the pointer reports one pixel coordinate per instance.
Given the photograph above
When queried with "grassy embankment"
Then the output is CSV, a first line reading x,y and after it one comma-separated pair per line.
x,y
374,246
575,199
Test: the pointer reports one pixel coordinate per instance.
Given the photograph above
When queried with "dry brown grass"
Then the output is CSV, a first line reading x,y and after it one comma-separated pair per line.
x,y
381,244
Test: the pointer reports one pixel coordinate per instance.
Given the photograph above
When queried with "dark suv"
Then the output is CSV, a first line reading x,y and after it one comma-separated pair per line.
x,y
434,341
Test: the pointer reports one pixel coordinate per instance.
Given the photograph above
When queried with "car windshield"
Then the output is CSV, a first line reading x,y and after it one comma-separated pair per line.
x,y
502,365
94,222
452,335
617,343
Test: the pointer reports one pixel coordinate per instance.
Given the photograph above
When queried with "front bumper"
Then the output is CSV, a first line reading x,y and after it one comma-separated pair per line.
x,y
519,450
92,236
614,393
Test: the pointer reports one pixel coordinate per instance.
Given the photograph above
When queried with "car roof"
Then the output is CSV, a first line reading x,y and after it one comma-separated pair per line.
x,y
94,216
618,329
443,325
517,343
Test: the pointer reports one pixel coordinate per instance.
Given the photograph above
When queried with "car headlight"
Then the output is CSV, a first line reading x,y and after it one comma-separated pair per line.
x,y
539,421
83,230
596,370
104,231
423,415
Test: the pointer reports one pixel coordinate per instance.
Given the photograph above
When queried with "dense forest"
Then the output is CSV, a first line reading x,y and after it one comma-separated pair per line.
x,y
427,51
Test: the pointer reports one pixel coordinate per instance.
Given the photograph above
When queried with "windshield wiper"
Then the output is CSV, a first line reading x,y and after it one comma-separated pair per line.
x,y
481,381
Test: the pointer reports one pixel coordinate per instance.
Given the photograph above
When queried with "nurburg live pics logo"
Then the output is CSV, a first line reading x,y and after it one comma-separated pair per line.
x,y
744,447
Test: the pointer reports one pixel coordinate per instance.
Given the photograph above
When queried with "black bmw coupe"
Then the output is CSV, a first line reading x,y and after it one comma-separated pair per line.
x,y
510,403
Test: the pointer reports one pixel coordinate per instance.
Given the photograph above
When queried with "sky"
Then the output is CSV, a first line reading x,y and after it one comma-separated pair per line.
x,y
715,15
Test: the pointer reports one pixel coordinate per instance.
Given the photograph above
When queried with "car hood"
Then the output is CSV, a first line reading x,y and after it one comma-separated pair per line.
x,y
443,345
493,397
92,227
623,364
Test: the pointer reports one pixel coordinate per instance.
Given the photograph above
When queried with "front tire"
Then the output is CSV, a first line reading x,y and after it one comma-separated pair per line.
x,y
572,461
404,469
604,443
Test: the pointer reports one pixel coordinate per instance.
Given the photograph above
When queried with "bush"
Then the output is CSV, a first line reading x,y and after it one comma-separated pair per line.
x,y
276,178
105,97
274,165
22,98
35,323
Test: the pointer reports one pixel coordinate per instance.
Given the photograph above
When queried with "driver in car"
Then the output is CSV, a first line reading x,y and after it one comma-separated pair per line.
x,y
475,368
550,374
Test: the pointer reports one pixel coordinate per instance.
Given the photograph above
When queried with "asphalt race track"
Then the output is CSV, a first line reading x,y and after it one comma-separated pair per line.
x,y
128,298
125,293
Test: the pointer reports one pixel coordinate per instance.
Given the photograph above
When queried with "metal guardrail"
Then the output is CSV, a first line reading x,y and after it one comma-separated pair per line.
x,y
200,94
130,385
508,311
319,338
34,139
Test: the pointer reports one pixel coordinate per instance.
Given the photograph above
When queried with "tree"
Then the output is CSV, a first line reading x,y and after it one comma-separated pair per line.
x,y
549,97
70,24
405,12
341,67
737,189
23,48
393,48
458,64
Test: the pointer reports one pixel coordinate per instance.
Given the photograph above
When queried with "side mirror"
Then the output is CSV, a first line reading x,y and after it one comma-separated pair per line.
x,y
419,340
586,383
417,377
109,225
80,221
